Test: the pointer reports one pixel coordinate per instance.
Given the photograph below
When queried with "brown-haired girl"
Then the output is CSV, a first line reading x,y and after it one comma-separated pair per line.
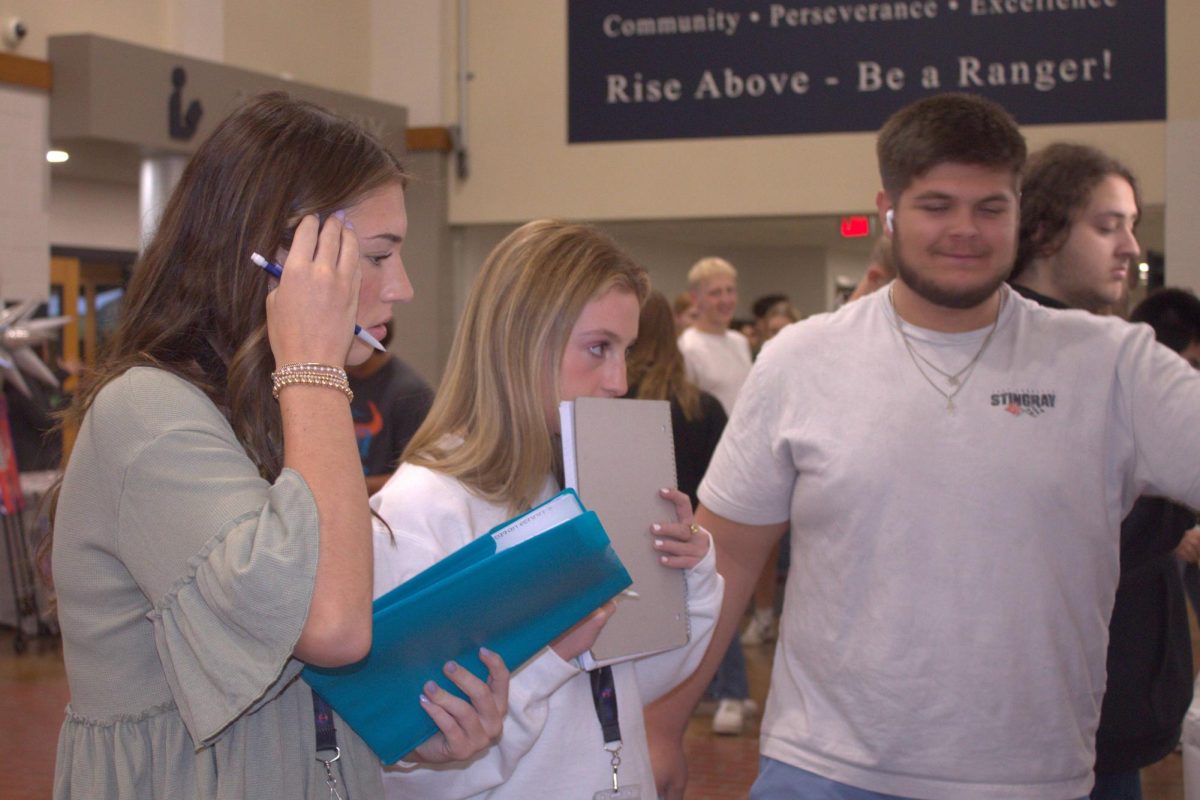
x,y
212,531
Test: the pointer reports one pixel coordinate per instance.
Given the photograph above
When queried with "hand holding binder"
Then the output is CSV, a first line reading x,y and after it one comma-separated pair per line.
x,y
580,638
512,590
465,729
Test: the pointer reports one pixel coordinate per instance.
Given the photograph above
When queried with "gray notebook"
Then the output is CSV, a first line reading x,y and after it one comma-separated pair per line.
x,y
617,454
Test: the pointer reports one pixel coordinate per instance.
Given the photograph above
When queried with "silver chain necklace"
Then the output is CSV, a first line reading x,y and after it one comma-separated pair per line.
x,y
956,379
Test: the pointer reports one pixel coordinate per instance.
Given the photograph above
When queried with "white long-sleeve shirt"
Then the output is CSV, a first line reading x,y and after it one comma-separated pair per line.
x,y
552,745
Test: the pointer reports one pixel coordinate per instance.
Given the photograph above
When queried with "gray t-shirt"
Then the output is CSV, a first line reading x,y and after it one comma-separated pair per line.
x,y
946,617
184,580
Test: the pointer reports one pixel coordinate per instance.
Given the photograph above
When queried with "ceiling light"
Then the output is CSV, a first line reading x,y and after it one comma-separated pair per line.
x,y
57,156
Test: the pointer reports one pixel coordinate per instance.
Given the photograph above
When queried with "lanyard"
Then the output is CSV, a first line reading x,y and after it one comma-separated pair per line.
x,y
604,695
323,717
326,741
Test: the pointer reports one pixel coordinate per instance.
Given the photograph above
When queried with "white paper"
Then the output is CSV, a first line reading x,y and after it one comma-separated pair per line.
x,y
541,519
566,421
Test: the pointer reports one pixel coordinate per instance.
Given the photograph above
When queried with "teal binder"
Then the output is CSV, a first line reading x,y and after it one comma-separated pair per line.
x,y
514,600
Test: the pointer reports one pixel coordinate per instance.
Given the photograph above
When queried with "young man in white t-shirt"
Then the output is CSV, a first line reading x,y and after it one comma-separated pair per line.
x,y
954,462
718,359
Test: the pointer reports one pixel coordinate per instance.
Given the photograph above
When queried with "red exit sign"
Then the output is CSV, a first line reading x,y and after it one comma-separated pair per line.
x,y
856,227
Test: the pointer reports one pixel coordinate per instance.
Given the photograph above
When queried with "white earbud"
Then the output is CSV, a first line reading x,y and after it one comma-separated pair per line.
x,y
889,217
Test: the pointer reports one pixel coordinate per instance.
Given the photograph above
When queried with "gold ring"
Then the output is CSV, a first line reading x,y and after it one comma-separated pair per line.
x,y
694,528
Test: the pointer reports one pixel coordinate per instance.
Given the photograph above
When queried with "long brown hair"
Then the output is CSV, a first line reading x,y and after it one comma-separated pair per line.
x,y
488,425
196,304
655,364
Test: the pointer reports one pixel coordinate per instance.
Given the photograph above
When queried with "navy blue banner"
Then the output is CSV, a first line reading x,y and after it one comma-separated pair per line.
x,y
670,69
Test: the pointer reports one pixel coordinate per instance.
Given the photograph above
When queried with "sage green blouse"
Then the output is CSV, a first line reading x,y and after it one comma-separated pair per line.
x,y
183,582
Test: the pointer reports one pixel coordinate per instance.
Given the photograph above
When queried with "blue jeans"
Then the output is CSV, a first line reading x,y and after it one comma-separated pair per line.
x,y
780,781
1117,786
730,682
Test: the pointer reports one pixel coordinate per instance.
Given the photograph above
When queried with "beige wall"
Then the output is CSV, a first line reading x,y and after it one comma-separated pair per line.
x,y
1183,59
1183,146
143,22
24,201
522,166
94,214
312,41
322,43
411,41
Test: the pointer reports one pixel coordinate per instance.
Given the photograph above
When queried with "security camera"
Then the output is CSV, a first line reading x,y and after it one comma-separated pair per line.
x,y
15,31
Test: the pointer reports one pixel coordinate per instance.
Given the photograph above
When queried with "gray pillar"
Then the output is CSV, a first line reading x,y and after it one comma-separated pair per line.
x,y
157,180
1183,203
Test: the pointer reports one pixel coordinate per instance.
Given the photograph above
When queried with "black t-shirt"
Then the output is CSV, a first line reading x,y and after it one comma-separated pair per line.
x,y
37,444
695,440
388,408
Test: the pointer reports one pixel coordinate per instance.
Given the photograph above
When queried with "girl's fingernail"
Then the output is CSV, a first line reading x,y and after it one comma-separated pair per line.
x,y
663,560
664,491
430,688
483,651
451,667
424,700
658,543
349,225
656,527
340,214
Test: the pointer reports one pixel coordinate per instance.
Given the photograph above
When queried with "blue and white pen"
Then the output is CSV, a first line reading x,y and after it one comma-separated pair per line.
x,y
276,271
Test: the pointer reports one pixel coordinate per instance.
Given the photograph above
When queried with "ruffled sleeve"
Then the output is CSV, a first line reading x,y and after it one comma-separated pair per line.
x,y
227,560
225,632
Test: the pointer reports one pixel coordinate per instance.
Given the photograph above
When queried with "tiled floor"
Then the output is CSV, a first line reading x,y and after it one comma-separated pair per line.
x,y
33,692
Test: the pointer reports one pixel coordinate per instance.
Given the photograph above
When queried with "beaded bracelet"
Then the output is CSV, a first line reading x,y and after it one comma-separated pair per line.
x,y
313,375
288,369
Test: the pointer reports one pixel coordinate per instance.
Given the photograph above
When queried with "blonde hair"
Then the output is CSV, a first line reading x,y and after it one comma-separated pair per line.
x,y
706,268
488,425
656,366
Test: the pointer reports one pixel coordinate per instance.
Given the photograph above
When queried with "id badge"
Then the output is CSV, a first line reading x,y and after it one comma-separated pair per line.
x,y
628,792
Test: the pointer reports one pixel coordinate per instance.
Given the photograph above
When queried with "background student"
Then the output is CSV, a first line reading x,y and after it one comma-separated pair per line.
x,y
657,372
1076,248
718,360
390,402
